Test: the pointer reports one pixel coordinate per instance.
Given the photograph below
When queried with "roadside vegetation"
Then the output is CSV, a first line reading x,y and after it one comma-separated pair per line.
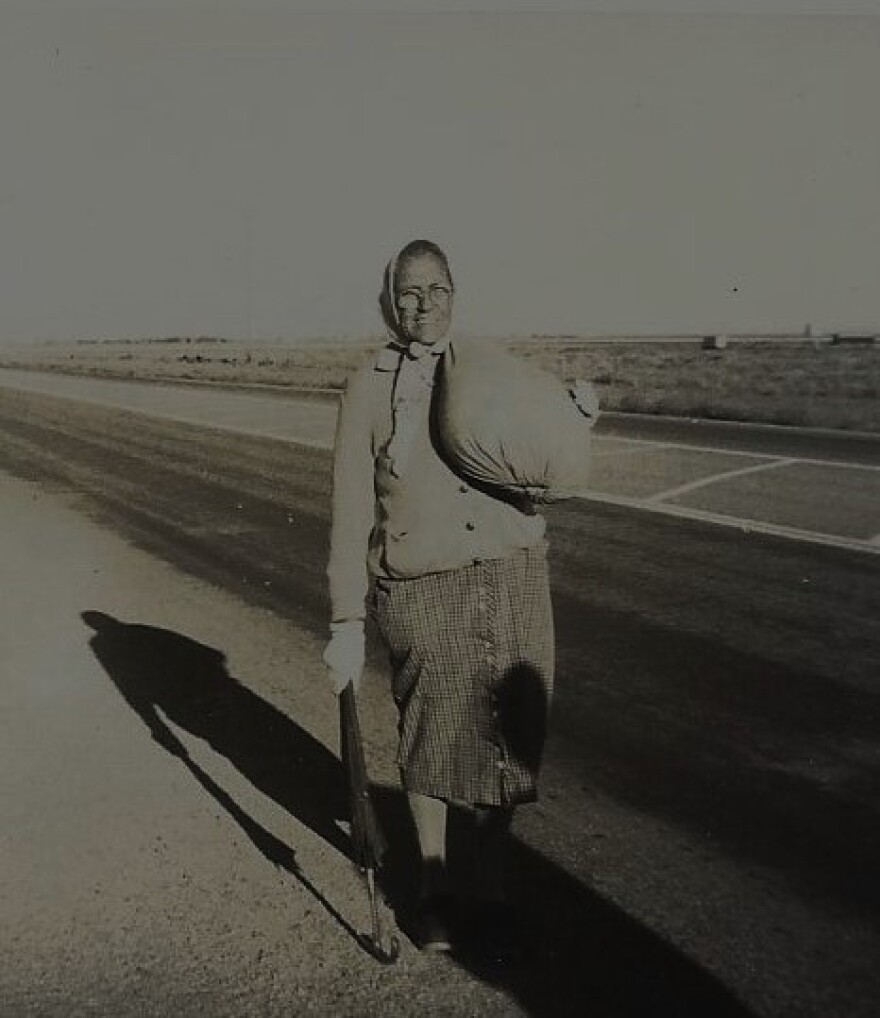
x,y
809,382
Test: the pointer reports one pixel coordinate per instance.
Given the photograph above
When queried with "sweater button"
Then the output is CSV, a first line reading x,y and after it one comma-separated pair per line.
x,y
464,489
470,525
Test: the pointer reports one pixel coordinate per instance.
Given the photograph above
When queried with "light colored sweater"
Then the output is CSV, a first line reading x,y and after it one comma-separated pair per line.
x,y
427,519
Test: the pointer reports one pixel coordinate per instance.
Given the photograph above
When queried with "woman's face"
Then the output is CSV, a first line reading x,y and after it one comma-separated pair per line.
x,y
423,296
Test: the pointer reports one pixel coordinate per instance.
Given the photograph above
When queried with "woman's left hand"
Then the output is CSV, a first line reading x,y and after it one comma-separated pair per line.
x,y
344,654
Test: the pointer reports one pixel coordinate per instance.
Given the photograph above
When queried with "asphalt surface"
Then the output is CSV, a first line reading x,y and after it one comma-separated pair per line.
x,y
803,484
708,832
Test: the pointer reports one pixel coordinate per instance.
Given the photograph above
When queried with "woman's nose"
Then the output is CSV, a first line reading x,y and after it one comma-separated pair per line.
x,y
425,301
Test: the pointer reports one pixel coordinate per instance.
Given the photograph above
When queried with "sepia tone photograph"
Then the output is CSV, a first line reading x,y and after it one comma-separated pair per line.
x,y
440,502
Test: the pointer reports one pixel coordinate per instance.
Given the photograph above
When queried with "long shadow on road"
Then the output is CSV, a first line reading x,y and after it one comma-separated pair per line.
x,y
586,955
162,674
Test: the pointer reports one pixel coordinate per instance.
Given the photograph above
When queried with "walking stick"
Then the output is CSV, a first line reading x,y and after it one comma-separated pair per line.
x,y
368,843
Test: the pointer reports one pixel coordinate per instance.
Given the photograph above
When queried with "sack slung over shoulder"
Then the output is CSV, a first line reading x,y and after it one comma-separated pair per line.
x,y
503,422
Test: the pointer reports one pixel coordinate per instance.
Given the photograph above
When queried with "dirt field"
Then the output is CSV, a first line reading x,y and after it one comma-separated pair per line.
x,y
807,382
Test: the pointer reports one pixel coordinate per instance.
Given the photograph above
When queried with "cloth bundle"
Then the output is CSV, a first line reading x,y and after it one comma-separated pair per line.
x,y
504,423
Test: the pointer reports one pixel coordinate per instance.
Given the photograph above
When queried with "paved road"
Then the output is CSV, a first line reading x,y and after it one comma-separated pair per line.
x,y
812,486
709,829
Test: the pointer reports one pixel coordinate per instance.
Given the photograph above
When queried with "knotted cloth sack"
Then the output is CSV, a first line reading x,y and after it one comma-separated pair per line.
x,y
504,423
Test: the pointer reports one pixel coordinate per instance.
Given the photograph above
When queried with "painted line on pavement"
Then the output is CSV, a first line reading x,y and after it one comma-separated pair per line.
x,y
705,482
606,453
746,526
243,429
717,450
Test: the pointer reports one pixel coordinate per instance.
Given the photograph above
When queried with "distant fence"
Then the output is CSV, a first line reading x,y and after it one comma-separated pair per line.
x,y
854,338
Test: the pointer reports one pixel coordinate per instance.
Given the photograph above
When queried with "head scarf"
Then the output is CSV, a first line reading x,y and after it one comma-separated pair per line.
x,y
391,316
414,378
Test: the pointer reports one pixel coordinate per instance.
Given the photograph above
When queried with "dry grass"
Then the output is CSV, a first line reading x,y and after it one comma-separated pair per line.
x,y
311,365
808,382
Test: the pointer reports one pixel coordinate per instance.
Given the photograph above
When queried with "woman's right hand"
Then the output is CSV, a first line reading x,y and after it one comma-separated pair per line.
x,y
344,654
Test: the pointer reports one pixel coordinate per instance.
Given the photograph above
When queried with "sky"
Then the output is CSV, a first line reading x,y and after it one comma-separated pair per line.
x,y
201,169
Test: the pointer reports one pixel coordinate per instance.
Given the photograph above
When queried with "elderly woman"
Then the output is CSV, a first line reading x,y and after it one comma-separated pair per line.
x,y
460,595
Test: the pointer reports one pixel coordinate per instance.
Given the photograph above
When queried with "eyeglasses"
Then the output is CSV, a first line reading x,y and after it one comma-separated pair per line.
x,y
410,299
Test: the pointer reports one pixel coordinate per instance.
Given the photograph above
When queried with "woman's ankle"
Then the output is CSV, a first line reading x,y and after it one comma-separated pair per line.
x,y
433,879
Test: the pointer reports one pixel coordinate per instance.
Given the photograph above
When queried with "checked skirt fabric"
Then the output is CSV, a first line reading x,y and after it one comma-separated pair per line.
x,y
472,676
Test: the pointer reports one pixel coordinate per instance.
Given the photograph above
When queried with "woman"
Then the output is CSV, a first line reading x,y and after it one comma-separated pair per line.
x,y
461,595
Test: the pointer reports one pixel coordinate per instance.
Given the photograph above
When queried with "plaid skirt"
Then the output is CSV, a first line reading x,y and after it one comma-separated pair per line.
x,y
472,658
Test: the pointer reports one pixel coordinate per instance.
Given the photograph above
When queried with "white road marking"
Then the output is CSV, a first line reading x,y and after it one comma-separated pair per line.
x,y
242,429
747,526
705,482
871,545
720,450
627,451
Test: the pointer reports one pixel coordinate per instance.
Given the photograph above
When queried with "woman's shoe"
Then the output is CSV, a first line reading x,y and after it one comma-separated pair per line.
x,y
434,923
